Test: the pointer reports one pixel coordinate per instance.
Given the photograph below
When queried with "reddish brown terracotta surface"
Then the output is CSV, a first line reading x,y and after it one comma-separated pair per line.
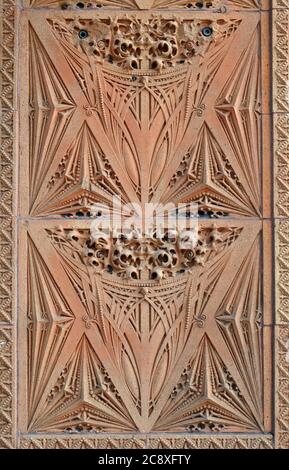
x,y
154,102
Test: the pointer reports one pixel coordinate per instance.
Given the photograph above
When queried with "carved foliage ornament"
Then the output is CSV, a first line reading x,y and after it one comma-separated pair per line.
x,y
215,5
132,256
133,43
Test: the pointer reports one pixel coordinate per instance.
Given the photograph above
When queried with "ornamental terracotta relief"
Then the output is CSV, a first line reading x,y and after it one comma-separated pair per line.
x,y
158,102
215,5
95,338
119,68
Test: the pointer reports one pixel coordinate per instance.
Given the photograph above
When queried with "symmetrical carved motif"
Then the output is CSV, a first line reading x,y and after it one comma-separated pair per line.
x,y
153,256
188,110
139,331
52,319
133,44
94,343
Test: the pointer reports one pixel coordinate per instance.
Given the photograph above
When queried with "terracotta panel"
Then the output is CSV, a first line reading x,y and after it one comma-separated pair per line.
x,y
94,340
137,340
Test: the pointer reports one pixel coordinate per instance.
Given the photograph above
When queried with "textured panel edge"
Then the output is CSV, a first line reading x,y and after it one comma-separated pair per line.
x,y
259,441
8,143
280,64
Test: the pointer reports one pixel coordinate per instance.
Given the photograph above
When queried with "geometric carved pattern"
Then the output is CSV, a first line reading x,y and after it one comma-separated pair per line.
x,y
80,388
224,441
171,170
282,164
282,258
170,331
280,106
136,334
51,111
282,385
7,229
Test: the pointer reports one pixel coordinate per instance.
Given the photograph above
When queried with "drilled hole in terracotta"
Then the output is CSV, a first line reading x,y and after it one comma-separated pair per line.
x,y
200,5
207,31
83,34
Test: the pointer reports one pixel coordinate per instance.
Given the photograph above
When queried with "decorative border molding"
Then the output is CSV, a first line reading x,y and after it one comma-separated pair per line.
x,y
282,326
281,158
6,389
280,3
280,24
280,60
7,154
282,387
212,442
152,442
110,442
280,50
282,273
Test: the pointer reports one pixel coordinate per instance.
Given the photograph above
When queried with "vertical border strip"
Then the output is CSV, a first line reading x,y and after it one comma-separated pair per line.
x,y
280,64
8,143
